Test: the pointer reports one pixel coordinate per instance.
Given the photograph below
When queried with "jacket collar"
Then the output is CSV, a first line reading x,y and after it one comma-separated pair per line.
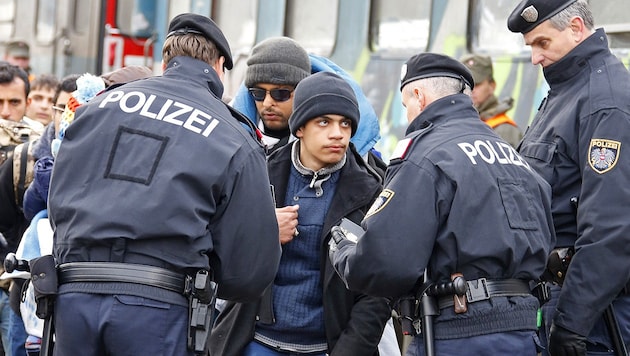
x,y
446,108
578,59
195,71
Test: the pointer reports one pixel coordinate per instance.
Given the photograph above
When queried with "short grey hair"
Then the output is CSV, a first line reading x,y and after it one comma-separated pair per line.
x,y
440,86
580,8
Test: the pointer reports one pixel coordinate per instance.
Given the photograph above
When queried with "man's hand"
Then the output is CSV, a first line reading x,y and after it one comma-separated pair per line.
x,y
287,222
563,342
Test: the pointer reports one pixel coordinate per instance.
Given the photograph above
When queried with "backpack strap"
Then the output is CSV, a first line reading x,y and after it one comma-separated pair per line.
x,y
23,170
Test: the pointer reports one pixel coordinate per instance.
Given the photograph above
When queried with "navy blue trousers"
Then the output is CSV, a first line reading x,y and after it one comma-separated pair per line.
x,y
99,325
599,342
513,343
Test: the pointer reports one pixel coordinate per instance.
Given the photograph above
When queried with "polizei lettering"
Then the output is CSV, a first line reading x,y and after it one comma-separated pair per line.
x,y
492,152
173,112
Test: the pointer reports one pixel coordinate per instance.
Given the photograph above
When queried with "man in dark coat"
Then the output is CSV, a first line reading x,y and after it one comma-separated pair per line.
x,y
146,201
577,142
457,199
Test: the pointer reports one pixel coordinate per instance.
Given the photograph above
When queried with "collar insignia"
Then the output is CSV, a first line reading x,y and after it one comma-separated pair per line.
x,y
603,154
401,149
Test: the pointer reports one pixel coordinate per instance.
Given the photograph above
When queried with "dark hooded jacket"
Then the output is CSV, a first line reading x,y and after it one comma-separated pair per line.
x,y
354,322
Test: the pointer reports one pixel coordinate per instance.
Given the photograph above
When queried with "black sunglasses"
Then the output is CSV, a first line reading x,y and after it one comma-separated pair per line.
x,y
259,94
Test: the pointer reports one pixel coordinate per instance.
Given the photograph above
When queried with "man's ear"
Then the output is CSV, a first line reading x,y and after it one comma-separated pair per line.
x,y
578,29
420,98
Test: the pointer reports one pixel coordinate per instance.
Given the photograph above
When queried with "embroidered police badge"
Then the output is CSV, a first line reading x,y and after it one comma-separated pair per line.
x,y
530,14
603,154
380,202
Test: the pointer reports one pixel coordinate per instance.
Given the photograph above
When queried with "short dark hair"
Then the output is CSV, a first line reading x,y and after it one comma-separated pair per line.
x,y
8,72
67,84
45,81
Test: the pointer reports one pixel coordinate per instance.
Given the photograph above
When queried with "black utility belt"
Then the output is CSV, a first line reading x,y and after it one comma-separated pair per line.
x,y
484,289
74,272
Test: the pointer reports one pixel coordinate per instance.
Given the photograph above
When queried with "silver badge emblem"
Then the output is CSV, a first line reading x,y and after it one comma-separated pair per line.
x,y
403,71
530,14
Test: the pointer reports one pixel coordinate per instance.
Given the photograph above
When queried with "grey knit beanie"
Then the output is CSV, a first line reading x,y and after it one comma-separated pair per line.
x,y
323,93
277,60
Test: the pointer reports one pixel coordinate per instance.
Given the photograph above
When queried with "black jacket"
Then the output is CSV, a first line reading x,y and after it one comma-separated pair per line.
x,y
577,142
457,198
159,172
354,322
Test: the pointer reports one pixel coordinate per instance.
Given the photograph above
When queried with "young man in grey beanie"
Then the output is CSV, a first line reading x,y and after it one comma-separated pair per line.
x,y
274,68
308,309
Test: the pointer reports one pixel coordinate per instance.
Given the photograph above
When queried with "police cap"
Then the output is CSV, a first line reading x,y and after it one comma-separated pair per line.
x,y
480,66
18,49
427,65
201,25
531,13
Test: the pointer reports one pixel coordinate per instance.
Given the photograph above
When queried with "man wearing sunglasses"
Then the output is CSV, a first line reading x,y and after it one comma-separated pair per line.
x,y
274,68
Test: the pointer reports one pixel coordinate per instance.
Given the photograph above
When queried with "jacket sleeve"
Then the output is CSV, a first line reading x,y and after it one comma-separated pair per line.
x,y
245,235
602,215
365,327
400,234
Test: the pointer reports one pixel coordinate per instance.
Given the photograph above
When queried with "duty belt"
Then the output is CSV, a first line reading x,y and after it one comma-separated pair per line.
x,y
483,289
122,273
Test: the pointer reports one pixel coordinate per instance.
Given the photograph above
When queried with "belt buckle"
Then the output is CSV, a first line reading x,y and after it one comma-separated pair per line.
x,y
477,290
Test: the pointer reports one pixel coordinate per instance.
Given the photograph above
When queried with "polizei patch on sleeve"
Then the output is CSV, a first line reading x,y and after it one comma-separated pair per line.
x,y
380,202
603,154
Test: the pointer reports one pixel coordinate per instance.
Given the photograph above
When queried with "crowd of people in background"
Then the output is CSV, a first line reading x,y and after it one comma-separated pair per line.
x,y
130,176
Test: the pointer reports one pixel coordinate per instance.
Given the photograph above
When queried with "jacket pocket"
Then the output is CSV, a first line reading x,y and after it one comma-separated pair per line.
x,y
540,156
518,203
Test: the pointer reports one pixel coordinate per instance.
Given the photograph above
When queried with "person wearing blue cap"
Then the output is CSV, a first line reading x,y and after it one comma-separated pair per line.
x,y
576,142
146,199
458,204
308,310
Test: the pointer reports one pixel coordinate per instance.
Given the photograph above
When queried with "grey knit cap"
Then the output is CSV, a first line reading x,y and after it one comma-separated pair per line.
x,y
323,93
277,60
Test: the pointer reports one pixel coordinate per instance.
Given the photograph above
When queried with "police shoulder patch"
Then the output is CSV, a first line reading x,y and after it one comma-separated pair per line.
x,y
380,202
603,154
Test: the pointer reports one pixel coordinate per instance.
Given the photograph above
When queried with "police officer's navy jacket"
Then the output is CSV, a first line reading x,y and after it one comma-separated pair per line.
x,y
158,172
577,142
457,198
354,322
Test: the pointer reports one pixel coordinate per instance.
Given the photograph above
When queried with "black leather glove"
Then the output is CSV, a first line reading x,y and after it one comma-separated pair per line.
x,y
563,342
339,238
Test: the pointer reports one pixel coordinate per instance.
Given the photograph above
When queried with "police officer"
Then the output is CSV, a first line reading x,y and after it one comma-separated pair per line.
x,y
149,189
457,199
492,111
577,142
